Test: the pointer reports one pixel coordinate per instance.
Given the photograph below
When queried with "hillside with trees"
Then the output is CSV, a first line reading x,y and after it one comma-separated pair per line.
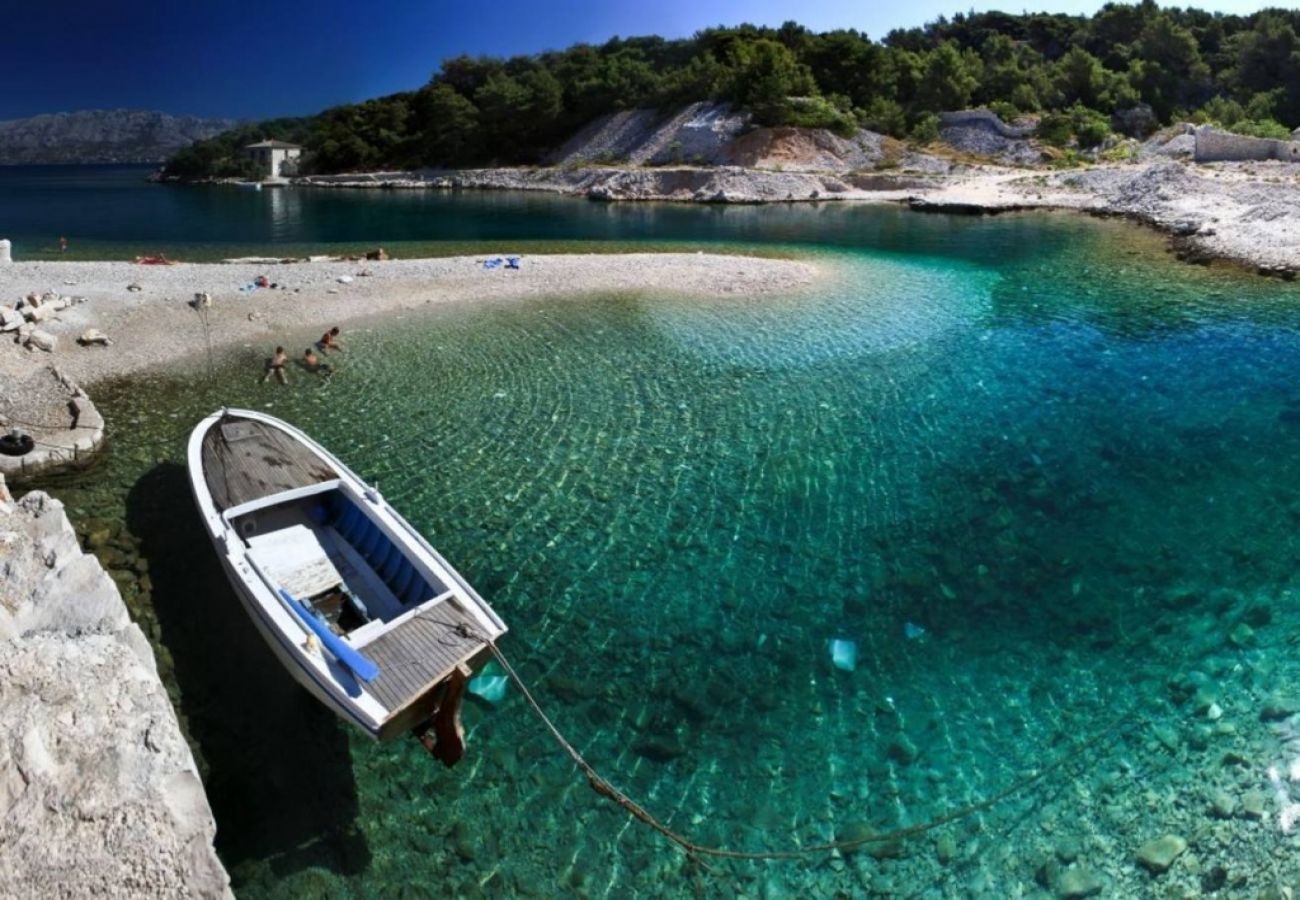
x,y
1073,72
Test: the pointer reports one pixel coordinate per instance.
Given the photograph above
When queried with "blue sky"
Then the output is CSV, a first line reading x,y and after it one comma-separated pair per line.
x,y
248,59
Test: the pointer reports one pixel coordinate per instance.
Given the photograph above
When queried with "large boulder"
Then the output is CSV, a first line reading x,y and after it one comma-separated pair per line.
x,y
1137,121
42,340
99,793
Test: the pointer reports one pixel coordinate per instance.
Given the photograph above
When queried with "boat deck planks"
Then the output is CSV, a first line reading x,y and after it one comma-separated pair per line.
x,y
420,652
246,460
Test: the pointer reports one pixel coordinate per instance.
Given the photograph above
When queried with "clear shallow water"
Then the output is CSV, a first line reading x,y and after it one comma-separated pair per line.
x,y
1070,460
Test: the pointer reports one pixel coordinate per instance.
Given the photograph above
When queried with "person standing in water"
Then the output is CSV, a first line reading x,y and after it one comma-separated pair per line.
x,y
63,244
276,367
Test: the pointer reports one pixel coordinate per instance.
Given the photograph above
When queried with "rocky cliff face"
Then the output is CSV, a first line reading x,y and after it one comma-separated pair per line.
x,y
98,790
102,136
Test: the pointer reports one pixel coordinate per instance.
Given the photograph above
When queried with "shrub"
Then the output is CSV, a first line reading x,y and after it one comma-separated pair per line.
x,y
1263,128
885,116
1055,128
1089,126
1124,151
926,129
816,112
1003,110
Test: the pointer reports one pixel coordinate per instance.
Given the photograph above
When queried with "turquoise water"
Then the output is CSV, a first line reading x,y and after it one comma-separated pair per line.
x,y
1037,471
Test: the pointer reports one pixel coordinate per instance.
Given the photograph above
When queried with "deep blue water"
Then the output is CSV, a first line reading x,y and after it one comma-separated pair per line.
x,y
113,212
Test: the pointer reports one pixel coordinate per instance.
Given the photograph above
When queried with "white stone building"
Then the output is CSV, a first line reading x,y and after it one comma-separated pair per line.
x,y
277,159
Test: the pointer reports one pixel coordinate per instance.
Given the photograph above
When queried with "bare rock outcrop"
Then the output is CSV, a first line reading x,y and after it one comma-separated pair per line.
x,y
99,793
700,134
808,149
981,132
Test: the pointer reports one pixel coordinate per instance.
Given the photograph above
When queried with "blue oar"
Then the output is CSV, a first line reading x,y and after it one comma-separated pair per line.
x,y
363,668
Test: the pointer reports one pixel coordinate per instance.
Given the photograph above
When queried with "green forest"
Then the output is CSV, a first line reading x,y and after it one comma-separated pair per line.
x,y
1074,72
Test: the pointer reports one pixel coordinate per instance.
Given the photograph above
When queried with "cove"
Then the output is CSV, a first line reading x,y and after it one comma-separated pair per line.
x,y
1070,463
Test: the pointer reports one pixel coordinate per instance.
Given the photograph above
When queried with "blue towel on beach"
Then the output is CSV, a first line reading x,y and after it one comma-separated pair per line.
x,y
493,263
512,262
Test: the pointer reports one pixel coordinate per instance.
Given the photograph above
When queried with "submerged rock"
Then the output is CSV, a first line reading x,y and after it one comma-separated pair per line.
x,y
1078,881
902,750
1252,804
1242,635
1158,855
844,654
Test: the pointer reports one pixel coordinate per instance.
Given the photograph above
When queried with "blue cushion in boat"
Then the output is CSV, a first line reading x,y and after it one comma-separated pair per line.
x,y
417,592
401,579
393,564
350,524
369,539
383,553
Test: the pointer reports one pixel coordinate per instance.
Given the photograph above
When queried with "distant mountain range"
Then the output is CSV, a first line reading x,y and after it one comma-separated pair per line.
x,y
102,136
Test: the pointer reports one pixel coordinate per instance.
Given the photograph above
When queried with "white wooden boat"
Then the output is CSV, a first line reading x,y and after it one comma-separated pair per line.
x,y
360,609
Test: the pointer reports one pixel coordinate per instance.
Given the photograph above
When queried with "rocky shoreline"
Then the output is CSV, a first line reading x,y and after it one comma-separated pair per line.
x,y
1247,213
99,792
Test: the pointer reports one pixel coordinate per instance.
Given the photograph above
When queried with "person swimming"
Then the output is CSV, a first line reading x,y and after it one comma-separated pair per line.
x,y
330,340
313,363
276,366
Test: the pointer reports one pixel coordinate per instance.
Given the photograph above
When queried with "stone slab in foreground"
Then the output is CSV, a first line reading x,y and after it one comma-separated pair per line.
x,y
99,794
49,407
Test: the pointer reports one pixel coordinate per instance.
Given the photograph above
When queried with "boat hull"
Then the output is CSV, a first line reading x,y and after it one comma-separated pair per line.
x,y
266,515
277,641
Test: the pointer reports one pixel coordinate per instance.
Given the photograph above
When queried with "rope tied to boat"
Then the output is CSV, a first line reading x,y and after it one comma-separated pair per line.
x,y
604,788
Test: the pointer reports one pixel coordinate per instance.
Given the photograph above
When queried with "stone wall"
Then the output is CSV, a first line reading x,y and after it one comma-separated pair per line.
x,y
983,118
1213,145
99,793
49,407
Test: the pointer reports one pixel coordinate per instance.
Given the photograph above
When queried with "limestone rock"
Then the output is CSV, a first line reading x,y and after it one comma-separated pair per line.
x,y
10,318
42,340
1078,881
1242,635
945,849
1222,804
1158,855
98,790
93,336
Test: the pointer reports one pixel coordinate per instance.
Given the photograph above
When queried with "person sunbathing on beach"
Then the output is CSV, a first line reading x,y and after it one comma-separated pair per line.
x,y
276,367
330,340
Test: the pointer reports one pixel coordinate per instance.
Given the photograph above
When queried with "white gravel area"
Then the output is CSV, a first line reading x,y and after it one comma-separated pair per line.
x,y
157,324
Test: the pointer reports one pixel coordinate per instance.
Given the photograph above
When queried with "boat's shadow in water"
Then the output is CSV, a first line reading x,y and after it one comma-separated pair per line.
x,y
277,765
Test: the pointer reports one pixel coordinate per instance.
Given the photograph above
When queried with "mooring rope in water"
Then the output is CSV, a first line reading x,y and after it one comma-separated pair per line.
x,y
200,304
604,788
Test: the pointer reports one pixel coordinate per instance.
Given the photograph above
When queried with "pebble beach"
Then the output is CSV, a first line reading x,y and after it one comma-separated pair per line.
x,y
147,312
